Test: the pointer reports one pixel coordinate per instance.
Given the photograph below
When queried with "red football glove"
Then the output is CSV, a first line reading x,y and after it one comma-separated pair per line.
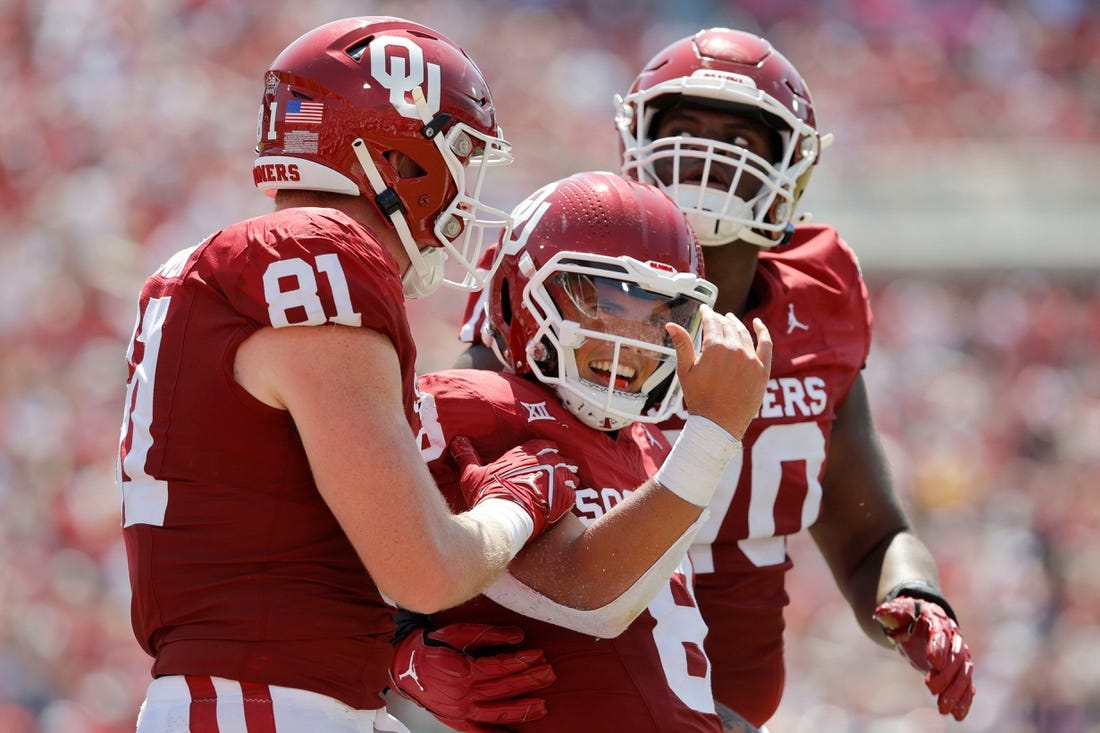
x,y
927,637
533,474
440,671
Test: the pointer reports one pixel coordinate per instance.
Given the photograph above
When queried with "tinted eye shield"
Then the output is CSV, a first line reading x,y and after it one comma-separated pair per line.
x,y
611,306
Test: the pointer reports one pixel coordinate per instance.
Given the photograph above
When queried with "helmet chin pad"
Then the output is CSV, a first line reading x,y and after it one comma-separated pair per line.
x,y
716,217
574,395
425,272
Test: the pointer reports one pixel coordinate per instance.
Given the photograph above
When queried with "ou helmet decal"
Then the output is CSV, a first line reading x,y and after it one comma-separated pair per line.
x,y
401,75
526,217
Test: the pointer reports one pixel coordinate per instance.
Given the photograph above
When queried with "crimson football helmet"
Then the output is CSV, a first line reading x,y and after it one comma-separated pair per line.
x,y
394,111
741,73
597,265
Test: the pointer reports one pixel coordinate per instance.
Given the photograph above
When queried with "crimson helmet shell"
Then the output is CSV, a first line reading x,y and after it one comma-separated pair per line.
x,y
721,67
603,225
353,83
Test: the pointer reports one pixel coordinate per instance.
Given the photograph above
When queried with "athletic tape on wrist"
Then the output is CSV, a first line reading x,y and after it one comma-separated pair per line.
x,y
698,459
509,515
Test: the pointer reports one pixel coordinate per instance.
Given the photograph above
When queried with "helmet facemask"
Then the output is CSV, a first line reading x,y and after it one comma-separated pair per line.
x,y
704,176
469,225
611,312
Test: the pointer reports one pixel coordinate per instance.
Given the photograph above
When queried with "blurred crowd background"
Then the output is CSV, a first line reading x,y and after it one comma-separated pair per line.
x,y
963,174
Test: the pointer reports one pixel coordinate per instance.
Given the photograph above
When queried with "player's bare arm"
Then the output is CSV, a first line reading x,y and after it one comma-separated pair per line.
x,y
343,387
585,567
863,532
884,570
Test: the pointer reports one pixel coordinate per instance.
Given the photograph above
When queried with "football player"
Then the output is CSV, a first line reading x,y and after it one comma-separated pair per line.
x,y
593,314
725,124
273,496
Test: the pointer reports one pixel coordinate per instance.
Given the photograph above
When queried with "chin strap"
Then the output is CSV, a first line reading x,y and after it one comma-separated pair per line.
x,y
425,271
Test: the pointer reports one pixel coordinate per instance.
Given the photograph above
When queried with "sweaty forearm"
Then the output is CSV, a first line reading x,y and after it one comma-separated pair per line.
x,y
907,559
586,567
650,521
901,557
457,557
609,619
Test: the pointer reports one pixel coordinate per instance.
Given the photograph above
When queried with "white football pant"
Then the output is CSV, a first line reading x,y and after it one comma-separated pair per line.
x,y
199,704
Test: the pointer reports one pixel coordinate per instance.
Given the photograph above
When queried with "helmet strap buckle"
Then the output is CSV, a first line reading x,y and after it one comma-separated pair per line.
x,y
389,202
435,125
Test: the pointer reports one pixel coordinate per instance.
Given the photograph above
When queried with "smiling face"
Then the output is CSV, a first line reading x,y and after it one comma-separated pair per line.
x,y
616,308
616,321
597,267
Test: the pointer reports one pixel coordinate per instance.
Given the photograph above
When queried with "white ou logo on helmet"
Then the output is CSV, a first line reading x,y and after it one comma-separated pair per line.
x,y
401,75
526,217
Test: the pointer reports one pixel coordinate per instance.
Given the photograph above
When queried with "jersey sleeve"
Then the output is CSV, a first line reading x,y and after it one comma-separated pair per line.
x,y
850,276
816,305
309,267
854,318
469,403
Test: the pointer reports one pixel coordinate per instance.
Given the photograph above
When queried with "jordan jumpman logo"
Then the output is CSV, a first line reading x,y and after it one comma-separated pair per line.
x,y
792,320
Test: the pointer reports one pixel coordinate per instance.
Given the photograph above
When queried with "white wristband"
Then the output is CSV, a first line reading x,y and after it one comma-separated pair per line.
x,y
508,515
698,459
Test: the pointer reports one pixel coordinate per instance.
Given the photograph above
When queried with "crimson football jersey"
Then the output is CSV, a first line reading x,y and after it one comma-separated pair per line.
x,y
237,566
811,295
654,676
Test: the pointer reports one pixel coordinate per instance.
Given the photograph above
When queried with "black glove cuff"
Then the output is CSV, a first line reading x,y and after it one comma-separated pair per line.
x,y
923,590
408,622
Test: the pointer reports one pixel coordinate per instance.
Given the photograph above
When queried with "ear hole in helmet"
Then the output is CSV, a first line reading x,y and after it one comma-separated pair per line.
x,y
405,166
546,356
